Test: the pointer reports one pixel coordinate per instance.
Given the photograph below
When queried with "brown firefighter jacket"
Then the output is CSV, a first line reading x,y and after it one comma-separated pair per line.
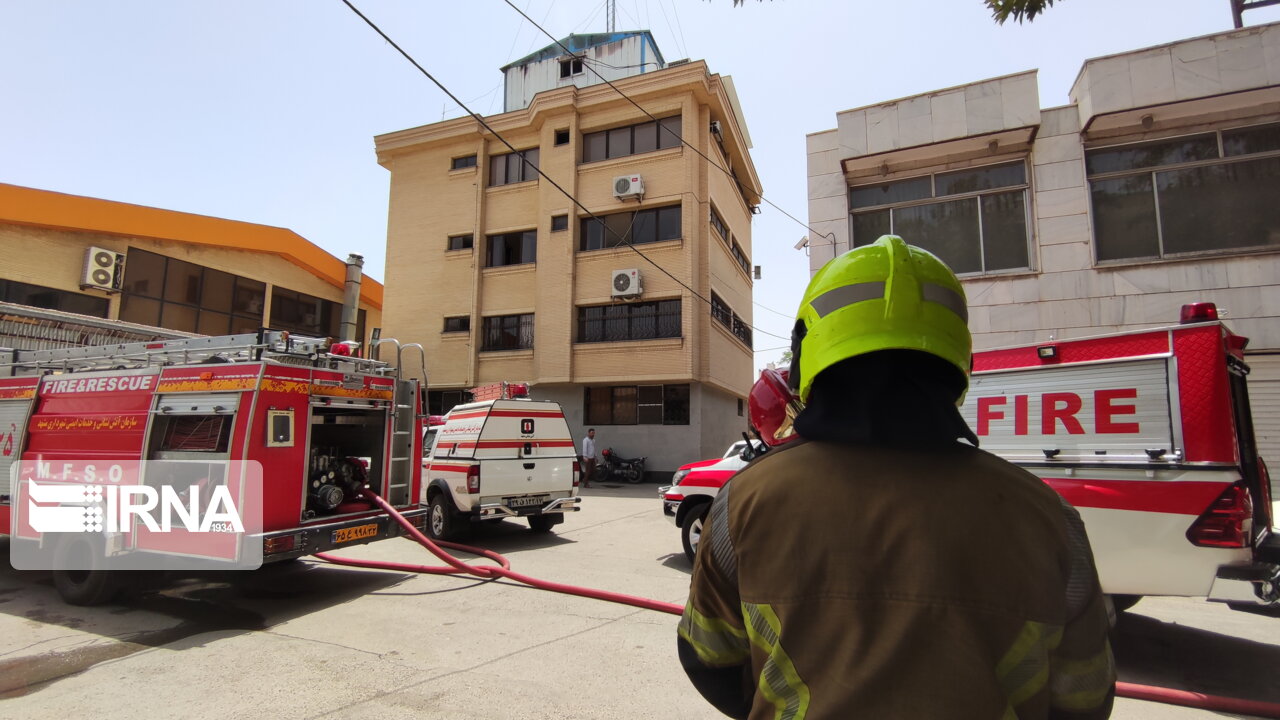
x,y
851,581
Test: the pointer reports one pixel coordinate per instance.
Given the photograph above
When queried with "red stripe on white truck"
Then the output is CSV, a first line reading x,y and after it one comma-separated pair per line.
x,y
1157,496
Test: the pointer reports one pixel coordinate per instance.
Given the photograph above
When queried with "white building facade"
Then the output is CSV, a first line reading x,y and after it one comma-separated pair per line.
x,y
1158,186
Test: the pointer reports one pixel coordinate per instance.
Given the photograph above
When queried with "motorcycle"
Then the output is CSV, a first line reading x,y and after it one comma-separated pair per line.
x,y
613,465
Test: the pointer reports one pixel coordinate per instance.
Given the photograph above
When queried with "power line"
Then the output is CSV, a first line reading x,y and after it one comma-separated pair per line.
x,y
775,312
650,115
621,241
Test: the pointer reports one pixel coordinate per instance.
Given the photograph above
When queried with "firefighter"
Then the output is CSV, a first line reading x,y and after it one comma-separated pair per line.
x,y
884,566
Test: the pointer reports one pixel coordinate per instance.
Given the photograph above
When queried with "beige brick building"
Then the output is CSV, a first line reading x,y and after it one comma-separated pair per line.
x,y
168,269
1157,186
502,277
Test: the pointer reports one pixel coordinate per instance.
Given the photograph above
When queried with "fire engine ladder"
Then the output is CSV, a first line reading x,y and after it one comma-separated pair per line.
x,y
403,425
268,344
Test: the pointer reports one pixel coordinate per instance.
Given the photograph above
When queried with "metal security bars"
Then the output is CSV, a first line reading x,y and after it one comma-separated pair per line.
x,y
507,332
635,321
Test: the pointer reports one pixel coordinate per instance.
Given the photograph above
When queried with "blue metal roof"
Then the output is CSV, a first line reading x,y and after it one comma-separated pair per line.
x,y
578,43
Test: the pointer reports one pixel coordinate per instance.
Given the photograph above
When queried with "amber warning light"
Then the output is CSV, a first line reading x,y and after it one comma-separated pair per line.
x,y
1198,312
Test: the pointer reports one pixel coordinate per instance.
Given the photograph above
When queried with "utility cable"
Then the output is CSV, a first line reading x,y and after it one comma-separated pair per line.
x,y
527,164
650,115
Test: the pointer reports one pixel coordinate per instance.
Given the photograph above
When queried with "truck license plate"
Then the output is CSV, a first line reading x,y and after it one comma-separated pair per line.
x,y
358,532
528,501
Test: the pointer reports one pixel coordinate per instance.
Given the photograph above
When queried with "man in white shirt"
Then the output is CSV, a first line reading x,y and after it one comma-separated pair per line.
x,y
588,457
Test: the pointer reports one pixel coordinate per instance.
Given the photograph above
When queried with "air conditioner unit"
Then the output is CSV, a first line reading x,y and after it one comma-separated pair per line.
x,y
628,186
626,283
103,270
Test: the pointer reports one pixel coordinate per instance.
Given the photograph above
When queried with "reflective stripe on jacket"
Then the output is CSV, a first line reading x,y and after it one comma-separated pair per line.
x,y
844,581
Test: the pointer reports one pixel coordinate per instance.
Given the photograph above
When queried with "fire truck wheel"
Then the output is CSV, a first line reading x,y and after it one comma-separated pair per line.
x,y
691,530
544,523
442,521
1124,602
83,587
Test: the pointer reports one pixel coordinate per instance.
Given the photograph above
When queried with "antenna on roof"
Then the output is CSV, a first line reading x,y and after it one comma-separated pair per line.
x,y
612,14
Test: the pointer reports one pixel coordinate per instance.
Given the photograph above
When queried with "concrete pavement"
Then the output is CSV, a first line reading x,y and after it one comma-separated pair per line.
x,y
312,640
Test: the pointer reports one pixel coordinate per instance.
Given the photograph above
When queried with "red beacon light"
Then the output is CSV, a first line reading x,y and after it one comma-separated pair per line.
x,y
1198,312
518,390
435,420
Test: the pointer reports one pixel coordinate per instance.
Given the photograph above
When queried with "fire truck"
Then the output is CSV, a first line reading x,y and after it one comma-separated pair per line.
x,y
322,424
1148,434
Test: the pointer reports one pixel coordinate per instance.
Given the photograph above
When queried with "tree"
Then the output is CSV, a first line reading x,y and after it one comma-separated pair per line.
x,y
1002,10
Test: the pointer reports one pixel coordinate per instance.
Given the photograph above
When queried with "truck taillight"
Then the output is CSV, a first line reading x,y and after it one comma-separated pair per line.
x,y
1227,522
282,543
577,473
1198,312
473,480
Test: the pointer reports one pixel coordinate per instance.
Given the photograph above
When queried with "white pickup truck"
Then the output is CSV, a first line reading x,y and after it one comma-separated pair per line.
x,y
504,458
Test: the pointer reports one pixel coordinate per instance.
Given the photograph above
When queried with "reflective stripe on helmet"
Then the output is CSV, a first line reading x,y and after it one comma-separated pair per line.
x,y
846,295
945,297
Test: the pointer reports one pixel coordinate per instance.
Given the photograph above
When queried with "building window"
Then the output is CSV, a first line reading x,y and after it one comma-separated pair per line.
x,y
562,137
440,402
309,315
514,248
462,163
739,407
559,223
974,219
461,242
631,228
170,293
742,330
720,311
461,323
12,291
513,167
570,67
508,332
717,224
1210,192
736,251
631,140
636,405
632,321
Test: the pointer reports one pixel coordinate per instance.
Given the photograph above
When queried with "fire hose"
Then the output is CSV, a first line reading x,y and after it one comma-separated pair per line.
x,y
502,569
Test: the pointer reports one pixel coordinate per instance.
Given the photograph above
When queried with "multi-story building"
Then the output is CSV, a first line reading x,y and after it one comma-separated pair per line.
x,y
1157,186
620,283
168,269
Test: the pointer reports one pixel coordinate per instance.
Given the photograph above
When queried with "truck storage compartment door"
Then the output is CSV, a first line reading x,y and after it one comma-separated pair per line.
x,y
1096,413
13,423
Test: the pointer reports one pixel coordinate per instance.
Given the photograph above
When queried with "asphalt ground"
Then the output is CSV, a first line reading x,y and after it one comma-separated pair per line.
x,y
313,640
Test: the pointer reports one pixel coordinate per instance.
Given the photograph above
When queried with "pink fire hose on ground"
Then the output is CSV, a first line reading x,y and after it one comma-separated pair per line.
x,y
502,569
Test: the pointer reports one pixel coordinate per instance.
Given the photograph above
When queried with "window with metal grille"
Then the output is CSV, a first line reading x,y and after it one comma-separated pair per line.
x,y
742,330
974,219
636,405
460,323
507,332
1204,193
632,321
461,163
720,311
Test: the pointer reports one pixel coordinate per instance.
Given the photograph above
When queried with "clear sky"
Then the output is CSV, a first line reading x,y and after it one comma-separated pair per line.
x,y
265,110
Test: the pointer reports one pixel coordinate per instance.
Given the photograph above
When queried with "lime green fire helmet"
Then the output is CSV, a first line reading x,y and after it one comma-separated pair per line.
x,y
884,296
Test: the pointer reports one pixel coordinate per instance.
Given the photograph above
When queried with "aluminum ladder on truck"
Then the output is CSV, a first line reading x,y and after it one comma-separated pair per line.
x,y
404,424
272,345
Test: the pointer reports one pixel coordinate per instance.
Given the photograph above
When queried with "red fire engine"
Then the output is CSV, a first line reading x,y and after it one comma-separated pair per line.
x,y
322,423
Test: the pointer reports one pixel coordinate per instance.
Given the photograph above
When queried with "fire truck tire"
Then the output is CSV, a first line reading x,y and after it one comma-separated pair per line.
x,y
1124,602
442,520
691,529
544,523
83,587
